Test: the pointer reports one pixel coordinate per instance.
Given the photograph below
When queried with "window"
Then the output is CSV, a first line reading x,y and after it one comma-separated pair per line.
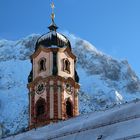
x,y
42,64
69,109
40,107
40,110
66,65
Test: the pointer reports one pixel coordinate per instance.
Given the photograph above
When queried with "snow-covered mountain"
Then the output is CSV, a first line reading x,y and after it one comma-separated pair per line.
x,y
105,82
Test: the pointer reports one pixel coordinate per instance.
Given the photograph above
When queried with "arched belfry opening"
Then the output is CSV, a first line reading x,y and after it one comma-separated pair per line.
x,y
69,109
42,64
66,65
40,107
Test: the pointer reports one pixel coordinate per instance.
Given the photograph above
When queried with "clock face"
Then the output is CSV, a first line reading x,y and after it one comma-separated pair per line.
x,y
68,88
40,88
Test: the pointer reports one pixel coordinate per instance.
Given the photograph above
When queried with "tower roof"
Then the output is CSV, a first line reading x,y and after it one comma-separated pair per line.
x,y
53,38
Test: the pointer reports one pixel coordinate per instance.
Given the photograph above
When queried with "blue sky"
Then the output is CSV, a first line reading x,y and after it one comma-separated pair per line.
x,y
113,26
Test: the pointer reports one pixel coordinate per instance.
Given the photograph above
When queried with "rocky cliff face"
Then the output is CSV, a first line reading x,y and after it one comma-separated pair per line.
x,y
105,82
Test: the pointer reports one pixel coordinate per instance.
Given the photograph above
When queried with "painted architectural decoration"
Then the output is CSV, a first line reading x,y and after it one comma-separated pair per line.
x,y
53,82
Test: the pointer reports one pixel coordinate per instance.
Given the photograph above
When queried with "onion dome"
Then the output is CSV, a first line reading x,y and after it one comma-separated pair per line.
x,y
53,39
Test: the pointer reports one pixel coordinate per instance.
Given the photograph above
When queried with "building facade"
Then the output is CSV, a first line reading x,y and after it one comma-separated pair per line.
x,y
53,82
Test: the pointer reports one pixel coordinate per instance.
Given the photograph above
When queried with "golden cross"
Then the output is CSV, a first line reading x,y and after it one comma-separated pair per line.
x,y
52,15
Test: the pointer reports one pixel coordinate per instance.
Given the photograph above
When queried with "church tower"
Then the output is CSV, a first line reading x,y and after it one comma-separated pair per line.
x,y
53,82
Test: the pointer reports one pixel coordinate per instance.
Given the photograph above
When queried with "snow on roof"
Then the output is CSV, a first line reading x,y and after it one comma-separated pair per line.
x,y
112,124
49,35
61,37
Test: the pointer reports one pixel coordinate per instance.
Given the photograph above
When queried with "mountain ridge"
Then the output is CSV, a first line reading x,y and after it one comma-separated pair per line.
x,y
105,82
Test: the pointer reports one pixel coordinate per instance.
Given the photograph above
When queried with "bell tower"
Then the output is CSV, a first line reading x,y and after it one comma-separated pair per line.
x,y
53,81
